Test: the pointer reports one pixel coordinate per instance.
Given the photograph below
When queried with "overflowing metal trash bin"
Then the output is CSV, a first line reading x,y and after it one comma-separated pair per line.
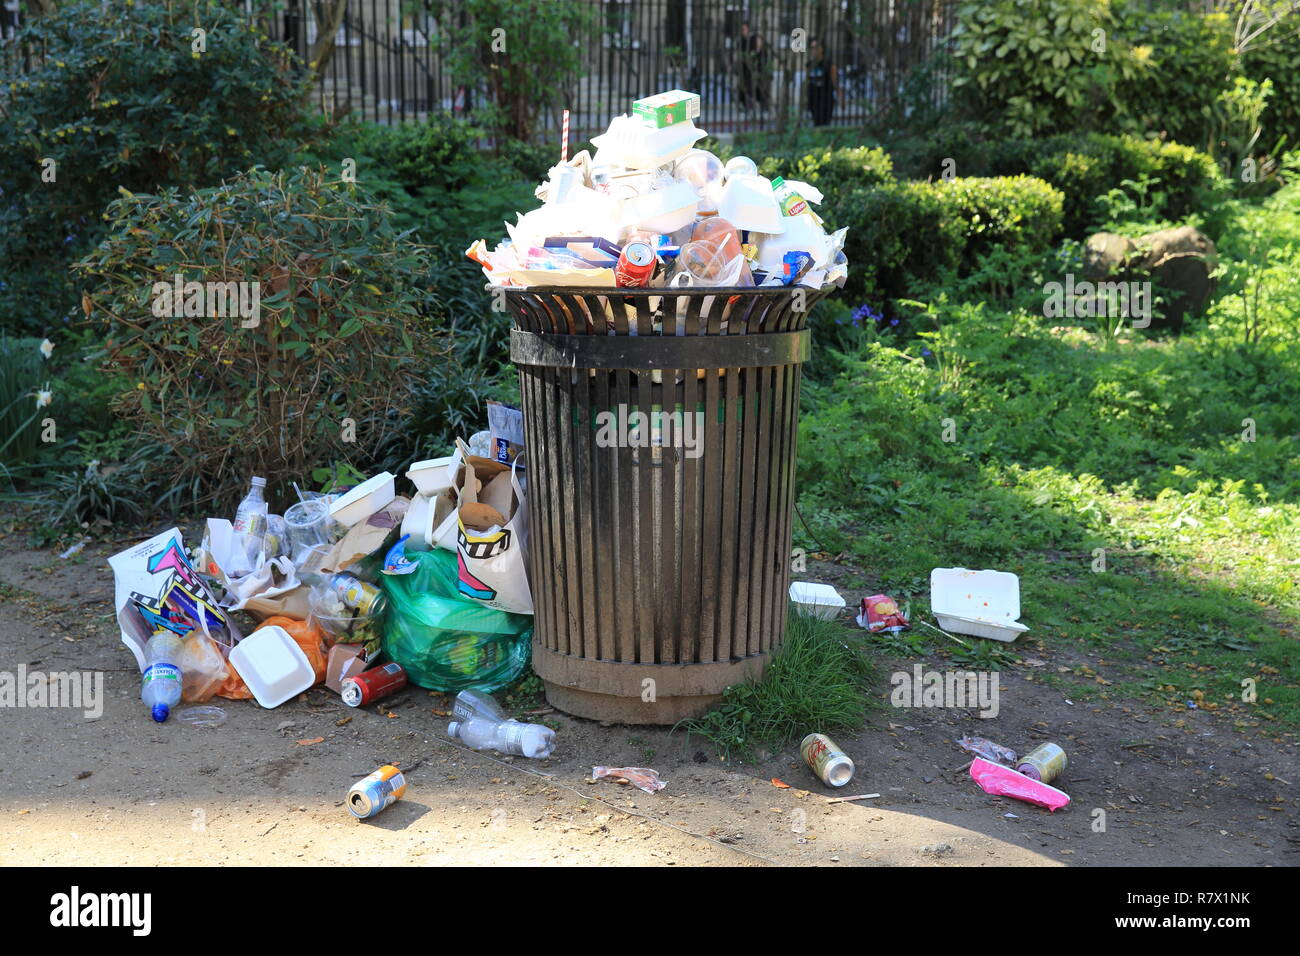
x,y
660,431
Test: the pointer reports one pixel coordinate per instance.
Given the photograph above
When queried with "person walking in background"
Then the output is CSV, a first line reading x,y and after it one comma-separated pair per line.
x,y
745,68
761,72
823,84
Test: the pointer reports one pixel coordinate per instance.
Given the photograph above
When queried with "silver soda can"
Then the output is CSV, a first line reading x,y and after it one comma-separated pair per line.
x,y
371,796
824,757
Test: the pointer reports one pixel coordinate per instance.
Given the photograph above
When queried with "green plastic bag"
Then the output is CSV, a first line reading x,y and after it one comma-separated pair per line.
x,y
447,642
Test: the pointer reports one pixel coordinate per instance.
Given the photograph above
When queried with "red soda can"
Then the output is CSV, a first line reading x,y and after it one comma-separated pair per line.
x,y
636,264
374,684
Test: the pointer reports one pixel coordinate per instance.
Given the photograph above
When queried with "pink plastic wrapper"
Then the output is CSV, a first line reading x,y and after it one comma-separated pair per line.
x,y
641,777
1005,782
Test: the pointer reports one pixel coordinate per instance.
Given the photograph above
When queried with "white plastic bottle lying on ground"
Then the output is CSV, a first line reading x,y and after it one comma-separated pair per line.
x,y
160,686
474,703
504,736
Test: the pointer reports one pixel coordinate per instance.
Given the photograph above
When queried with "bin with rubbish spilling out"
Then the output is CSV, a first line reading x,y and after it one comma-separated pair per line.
x,y
660,430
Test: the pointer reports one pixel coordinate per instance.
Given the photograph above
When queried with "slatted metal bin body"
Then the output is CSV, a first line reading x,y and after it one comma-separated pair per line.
x,y
660,438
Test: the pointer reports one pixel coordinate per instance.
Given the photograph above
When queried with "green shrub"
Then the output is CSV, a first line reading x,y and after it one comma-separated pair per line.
x,y
1029,66
1277,58
124,101
833,170
314,374
23,377
904,234
1083,166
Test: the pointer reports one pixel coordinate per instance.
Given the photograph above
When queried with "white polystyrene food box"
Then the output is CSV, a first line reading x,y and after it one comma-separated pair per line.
x,y
365,499
978,603
433,475
816,600
273,666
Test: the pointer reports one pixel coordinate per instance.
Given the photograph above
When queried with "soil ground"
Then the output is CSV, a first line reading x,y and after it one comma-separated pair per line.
x,y
1176,788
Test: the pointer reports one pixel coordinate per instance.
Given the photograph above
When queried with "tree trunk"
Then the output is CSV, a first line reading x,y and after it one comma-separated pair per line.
x,y
328,22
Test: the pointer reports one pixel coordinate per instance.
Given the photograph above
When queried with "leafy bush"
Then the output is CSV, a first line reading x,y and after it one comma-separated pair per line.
x,y
1083,166
313,374
22,379
833,170
1277,58
1029,66
125,101
905,233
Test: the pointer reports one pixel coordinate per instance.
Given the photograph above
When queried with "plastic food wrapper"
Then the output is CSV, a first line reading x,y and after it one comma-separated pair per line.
x,y
988,750
445,641
155,586
203,668
1004,782
643,778
880,613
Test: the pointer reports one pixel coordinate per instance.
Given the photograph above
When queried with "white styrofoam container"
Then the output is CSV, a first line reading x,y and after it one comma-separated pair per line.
x,y
433,475
816,600
978,603
272,665
365,499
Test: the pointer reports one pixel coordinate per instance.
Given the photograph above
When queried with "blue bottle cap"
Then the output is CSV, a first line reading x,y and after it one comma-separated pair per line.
x,y
160,712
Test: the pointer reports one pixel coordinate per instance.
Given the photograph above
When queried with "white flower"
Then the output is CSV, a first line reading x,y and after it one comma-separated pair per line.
x,y
44,397
47,348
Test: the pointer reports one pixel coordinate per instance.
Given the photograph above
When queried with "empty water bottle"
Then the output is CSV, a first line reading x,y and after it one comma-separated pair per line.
x,y
160,688
504,736
474,703
250,525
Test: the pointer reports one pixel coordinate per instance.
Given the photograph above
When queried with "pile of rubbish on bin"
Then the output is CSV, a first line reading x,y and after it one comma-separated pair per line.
x,y
651,210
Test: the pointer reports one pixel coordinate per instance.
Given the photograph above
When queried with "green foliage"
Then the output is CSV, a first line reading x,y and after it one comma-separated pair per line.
x,y
523,51
833,170
123,101
1083,166
905,233
22,377
1276,57
1030,66
816,682
336,341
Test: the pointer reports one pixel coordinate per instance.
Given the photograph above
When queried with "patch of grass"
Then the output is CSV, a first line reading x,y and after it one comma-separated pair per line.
x,y
817,682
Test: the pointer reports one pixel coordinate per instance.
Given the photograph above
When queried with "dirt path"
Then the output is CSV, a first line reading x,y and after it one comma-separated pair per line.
x,y
121,790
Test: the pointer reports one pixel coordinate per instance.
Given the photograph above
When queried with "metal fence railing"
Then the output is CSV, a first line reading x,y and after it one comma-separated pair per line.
x,y
748,59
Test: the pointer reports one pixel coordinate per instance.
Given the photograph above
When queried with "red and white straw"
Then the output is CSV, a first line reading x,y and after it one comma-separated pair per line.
x,y
564,139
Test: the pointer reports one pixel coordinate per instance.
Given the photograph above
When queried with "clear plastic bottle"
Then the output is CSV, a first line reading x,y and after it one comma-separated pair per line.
x,y
504,736
474,703
160,686
250,523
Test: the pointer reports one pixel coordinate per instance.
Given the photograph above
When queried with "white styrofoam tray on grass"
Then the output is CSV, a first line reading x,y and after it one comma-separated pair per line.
x,y
816,600
978,603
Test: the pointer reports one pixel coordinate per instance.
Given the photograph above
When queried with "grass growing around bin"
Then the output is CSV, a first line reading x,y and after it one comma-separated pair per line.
x,y
1145,488
818,681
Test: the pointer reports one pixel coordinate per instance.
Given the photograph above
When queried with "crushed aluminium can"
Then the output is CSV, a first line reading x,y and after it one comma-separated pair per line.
x,y
361,596
1044,763
824,757
374,794
372,685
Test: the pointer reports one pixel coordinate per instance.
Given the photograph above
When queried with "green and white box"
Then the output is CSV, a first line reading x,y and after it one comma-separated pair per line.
x,y
667,109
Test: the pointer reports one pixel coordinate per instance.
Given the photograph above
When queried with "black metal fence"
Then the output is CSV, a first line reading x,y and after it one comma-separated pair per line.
x,y
749,59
